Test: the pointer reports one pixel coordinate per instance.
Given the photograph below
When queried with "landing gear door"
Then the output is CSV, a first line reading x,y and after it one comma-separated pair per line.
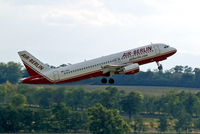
x,y
56,75
157,50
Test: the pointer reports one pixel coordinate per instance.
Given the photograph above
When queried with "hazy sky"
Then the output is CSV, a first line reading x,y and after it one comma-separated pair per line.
x,y
70,31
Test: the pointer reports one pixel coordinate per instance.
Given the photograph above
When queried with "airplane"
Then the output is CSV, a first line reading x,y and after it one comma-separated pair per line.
x,y
126,62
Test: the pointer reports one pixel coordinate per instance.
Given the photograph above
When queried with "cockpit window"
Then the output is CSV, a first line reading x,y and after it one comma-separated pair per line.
x,y
166,46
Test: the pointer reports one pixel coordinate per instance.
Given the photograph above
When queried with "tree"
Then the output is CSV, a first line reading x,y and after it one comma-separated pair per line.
x,y
163,126
14,72
184,122
196,104
138,125
196,76
18,100
132,104
8,90
25,117
42,122
43,96
197,124
78,121
171,103
149,104
106,121
187,70
3,73
110,97
191,103
10,72
9,120
177,69
76,98
60,117
58,95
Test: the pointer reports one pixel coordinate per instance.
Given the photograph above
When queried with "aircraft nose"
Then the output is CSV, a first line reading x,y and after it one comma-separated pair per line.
x,y
174,50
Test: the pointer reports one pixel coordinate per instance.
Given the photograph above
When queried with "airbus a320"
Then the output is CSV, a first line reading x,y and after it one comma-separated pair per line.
x,y
126,62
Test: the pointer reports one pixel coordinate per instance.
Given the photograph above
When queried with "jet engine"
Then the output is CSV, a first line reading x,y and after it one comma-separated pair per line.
x,y
131,69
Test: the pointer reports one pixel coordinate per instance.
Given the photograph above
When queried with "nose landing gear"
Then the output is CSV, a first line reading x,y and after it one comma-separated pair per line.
x,y
160,67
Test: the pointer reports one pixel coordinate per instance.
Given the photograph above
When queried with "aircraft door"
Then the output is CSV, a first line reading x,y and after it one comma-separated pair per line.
x,y
56,75
157,50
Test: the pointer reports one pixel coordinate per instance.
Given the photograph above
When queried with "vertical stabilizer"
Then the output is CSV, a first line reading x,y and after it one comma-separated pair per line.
x,y
32,64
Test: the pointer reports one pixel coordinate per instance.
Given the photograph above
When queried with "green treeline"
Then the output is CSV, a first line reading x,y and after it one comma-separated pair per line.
x,y
26,108
10,72
178,76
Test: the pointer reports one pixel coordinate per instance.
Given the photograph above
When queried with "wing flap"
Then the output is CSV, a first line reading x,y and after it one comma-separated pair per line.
x,y
111,68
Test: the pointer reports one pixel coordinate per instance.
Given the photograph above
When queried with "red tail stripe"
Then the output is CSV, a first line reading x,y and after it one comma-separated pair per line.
x,y
31,72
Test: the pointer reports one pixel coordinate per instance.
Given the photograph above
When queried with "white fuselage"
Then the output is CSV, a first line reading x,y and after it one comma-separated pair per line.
x,y
126,62
122,58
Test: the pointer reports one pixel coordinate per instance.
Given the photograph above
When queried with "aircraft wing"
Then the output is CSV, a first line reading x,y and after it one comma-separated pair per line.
x,y
111,68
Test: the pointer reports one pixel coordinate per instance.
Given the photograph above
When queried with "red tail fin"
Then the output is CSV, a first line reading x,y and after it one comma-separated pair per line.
x,y
32,64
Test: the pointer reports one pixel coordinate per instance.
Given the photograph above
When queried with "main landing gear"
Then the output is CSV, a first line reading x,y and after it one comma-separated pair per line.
x,y
110,80
160,67
104,80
